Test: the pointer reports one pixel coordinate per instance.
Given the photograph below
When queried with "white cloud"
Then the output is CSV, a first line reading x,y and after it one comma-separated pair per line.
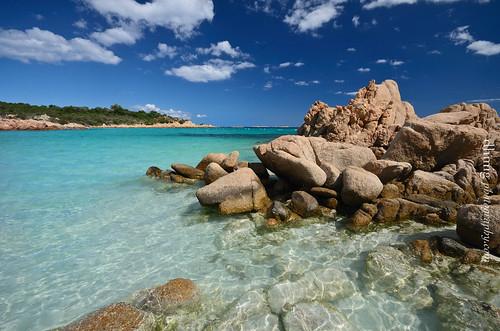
x,y
381,61
434,52
351,49
396,63
374,22
125,34
201,115
355,21
310,15
45,46
80,24
483,47
180,16
222,47
461,35
39,17
339,81
306,83
485,100
285,64
387,3
163,50
170,112
212,70
347,93
364,69
299,64
267,69
268,85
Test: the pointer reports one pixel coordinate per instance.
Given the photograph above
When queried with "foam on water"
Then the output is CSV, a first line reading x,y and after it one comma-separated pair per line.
x,y
82,227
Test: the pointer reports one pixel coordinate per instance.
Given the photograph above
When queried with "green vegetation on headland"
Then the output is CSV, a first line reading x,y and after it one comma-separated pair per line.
x,y
115,115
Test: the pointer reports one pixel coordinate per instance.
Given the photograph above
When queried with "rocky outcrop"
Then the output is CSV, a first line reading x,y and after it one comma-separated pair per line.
x,y
311,161
479,115
429,146
387,170
479,226
435,186
187,171
118,316
238,192
36,125
372,118
359,185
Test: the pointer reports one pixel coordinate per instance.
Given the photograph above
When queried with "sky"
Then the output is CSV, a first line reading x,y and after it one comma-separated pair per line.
x,y
255,62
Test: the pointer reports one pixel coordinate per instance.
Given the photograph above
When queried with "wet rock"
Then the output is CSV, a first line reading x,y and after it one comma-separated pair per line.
x,y
359,220
359,185
118,316
323,192
176,178
238,192
390,270
304,204
387,210
213,172
209,158
153,172
456,313
416,211
315,316
432,219
448,209
250,312
429,146
387,170
480,281
230,163
330,214
451,247
479,226
272,223
390,191
259,169
422,249
235,233
473,256
331,203
435,186
280,211
371,118
322,284
187,171
168,297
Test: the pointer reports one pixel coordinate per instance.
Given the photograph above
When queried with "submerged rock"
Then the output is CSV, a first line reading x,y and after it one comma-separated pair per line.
x,y
322,284
153,172
166,298
372,118
429,146
235,233
315,317
250,312
238,192
118,316
359,185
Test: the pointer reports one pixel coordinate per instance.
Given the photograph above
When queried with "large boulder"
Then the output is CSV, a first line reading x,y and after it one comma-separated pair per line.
x,y
304,204
388,170
479,226
359,185
311,161
118,316
435,186
372,118
213,172
479,115
238,192
429,145
209,158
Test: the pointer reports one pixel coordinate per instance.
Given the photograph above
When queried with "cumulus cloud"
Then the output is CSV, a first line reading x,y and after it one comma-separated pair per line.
x,y
180,16
461,35
80,24
355,21
170,112
45,46
163,50
387,3
364,69
483,47
222,47
126,34
212,70
310,15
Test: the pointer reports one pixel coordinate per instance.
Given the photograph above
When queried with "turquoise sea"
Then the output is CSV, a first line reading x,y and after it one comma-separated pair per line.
x,y
82,227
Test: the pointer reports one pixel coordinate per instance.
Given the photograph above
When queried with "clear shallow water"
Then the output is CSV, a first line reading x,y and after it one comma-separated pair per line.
x,y
82,227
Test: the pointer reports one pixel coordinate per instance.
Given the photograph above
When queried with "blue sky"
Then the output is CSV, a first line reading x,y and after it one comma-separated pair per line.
x,y
255,62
